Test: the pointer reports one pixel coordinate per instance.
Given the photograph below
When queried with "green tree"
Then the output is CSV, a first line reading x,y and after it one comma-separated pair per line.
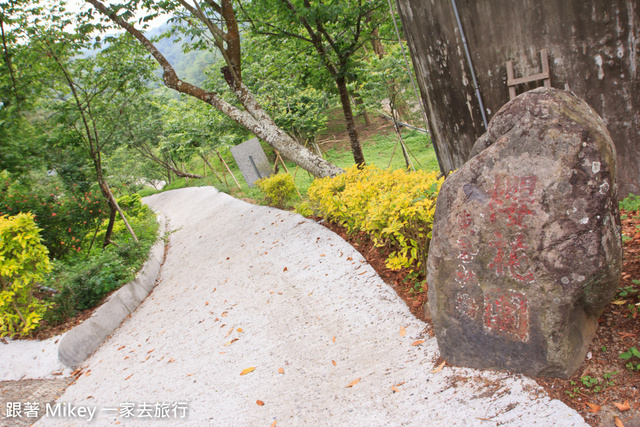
x,y
216,25
335,29
92,94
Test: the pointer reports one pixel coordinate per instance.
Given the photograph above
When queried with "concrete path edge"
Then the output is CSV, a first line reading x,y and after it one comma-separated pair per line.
x,y
82,341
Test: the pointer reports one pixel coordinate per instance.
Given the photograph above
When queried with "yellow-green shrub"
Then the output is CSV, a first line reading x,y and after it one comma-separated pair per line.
x,y
304,209
396,208
23,263
278,189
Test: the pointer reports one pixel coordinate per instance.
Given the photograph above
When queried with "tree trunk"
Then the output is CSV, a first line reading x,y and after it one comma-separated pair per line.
x,y
358,157
112,220
114,208
210,167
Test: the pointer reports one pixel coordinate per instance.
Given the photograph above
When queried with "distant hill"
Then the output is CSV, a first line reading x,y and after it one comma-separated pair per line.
x,y
189,66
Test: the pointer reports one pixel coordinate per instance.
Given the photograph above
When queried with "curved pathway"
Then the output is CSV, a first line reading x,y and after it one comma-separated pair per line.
x,y
247,286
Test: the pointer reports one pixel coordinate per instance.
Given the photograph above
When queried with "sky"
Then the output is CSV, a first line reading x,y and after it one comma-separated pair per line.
x,y
77,5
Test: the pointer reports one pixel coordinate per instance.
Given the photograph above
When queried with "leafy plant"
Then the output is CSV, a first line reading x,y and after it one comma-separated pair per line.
x,y
83,281
304,209
631,203
279,189
23,263
574,392
632,354
627,291
596,385
64,213
396,208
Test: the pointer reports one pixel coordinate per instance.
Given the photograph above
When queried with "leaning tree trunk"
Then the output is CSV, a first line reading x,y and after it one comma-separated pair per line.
x,y
114,208
112,219
356,149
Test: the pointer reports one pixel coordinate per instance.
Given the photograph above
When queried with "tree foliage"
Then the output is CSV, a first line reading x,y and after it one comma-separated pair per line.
x,y
217,27
335,29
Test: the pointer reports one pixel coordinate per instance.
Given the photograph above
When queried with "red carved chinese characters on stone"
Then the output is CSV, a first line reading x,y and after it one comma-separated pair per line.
x,y
467,305
511,257
507,313
512,197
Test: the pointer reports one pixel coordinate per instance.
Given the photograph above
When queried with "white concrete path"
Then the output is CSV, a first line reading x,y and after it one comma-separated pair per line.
x,y
249,286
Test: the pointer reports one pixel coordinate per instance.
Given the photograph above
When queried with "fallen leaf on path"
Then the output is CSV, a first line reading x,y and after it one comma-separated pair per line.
x,y
334,338
225,314
398,385
281,371
274,424
334,363
259,402
206,303
349,259
617,422
403,331
417,342
285,269
395,389
128,377
248,370
120,348
623,406
240,330
151,351
191,374
171,360
354,382
439,368
360,274
231,342
229,333
594,408
322,255
619,302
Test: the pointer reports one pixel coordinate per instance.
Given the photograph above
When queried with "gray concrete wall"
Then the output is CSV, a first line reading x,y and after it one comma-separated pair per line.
x,y
594,51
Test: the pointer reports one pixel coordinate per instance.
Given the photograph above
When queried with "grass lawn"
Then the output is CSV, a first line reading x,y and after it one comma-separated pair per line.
x,y
378,145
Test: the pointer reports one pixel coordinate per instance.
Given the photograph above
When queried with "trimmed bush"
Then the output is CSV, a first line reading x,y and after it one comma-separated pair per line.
x,y
396,208
279,189
24,261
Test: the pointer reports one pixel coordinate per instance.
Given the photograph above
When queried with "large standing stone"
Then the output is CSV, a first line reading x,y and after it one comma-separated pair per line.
x,y
252,161
526,249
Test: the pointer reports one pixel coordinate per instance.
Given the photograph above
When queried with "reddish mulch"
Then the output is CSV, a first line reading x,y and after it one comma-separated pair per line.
x,y
618,331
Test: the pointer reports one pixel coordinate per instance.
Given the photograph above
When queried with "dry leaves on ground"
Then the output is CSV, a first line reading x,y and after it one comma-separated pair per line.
x,y
354,382
248,370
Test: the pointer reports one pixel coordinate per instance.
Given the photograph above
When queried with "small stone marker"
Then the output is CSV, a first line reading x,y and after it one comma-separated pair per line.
x,y
252,161
526,249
